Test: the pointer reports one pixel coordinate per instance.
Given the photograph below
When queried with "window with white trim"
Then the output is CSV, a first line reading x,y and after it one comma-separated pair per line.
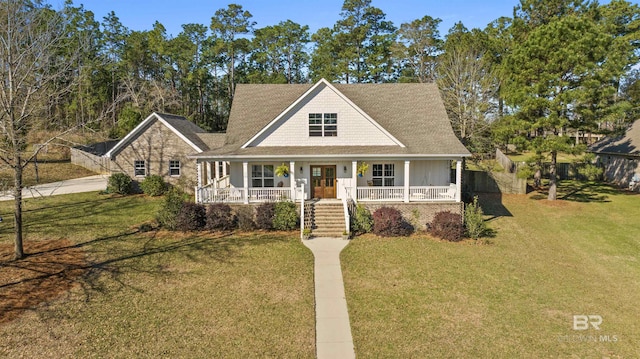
x,y
262,176
174,168
139,168
323,125
383,174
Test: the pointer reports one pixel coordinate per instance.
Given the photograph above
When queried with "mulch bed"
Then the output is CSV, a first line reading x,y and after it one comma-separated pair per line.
x,y
50,269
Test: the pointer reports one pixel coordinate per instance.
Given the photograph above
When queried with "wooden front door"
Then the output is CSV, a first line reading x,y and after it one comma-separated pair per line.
x,y
323,181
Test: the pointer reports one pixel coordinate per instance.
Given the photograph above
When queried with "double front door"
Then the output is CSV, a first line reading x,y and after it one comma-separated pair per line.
x,y
323,181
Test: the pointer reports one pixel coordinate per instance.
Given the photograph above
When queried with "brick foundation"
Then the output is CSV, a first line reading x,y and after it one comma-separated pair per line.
x,y
418,214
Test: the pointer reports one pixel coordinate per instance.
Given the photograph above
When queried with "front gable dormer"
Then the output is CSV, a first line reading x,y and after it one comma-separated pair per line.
x,y
323,116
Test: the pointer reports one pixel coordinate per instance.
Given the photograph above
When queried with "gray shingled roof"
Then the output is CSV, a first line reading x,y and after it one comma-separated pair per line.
x,y
212,140
187,128
412,113
629,144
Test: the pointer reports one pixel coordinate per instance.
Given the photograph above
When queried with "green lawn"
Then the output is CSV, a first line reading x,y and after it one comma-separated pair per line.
x,y
47,172
515,297
524,156
160,294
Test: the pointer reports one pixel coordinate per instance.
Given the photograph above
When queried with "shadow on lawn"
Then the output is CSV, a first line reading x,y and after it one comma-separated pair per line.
x,y
66,217
578,191
492,205
101,266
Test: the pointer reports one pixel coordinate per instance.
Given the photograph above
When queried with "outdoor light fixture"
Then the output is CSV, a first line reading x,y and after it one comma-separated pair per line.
x,y
345,169
300,169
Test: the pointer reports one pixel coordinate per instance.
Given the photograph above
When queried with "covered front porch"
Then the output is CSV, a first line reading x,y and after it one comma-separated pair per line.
x,y
384,180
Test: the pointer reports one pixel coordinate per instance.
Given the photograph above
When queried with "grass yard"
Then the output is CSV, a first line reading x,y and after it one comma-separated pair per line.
x,y
512,298
47,172
53,165
524,156
155,294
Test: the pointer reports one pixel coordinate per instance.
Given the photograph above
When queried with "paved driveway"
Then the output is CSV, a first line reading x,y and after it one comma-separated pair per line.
x,y
77,185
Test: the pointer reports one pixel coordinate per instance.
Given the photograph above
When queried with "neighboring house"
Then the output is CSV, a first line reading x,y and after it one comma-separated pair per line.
x,y
619,156
160,145
322,133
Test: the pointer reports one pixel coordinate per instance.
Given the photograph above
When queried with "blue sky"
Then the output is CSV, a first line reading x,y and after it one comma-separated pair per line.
x,y
141,14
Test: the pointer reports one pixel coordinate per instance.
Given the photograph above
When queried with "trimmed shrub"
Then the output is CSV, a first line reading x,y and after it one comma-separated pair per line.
x,y
119,183
170,209
219,217
362,222
388,222
473,221
264,215
192,217
153,186
245,216
448,226
285,217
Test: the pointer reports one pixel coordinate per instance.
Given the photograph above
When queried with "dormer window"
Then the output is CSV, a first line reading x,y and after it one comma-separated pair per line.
x,y
323,125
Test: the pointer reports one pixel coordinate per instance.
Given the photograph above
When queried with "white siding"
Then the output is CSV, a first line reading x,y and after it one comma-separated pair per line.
x,y
237,180
235,174
423,173
354,129
430,173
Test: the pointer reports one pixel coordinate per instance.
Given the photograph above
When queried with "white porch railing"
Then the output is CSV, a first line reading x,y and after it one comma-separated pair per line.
x,y
209,194
416,193
380,193
269,194
432,193
222,182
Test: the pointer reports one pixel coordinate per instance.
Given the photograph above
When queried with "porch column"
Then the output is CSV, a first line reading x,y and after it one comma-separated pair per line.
x,y
199,180
458,180
354,179
406,180
209,172
224,168
292,179
245,180
217,169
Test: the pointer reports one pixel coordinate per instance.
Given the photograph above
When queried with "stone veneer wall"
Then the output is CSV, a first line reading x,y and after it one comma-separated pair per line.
x,y
418,213
157,145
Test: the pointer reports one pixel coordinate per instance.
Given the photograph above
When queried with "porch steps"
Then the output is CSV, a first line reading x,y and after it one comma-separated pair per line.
x,y
327,219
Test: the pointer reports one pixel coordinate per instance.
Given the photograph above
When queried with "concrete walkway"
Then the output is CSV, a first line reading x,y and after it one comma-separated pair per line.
x,y
76,185
333,331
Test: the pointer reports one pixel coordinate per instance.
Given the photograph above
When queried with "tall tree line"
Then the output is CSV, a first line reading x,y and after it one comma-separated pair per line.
x,y
525,79
554,64
482,73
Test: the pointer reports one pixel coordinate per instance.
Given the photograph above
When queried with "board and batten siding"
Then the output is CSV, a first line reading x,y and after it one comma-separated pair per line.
x,y
354,129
